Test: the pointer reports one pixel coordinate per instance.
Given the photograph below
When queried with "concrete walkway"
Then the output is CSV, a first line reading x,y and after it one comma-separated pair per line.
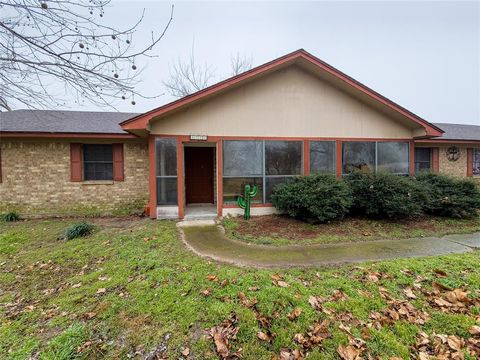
x,y
209,241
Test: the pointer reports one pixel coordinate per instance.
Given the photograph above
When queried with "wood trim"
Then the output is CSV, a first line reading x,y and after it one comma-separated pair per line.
x,y
411,158
433,141
66,135
306,157
219,177
338,158
180,180
215,138
118,162
152,177
469,162
435,159
141,121
76,160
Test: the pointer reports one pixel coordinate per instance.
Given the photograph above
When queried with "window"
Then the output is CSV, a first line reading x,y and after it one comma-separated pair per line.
x,y
393,157
476,162
97,162
261,163
376,156
423,158
322,156
358,156
166,170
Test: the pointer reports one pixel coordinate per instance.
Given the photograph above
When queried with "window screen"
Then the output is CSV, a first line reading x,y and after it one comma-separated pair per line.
x,y
423,157
322,156
97,162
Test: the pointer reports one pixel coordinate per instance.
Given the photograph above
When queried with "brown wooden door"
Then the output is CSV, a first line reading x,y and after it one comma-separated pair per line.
x,y
199,174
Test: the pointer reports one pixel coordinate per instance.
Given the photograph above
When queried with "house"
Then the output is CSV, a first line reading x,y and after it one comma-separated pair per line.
x,y
294,115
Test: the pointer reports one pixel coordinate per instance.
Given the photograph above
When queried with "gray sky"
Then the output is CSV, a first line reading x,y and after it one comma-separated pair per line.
x,y
423,55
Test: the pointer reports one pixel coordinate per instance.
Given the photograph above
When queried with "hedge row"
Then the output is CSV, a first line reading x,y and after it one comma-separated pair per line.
x,y
321,198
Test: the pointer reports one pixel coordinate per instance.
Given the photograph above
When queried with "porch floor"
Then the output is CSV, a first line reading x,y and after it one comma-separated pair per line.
x,y
200,212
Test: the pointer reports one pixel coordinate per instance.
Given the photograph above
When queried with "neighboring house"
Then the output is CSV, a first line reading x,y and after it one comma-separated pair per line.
x,y
292,116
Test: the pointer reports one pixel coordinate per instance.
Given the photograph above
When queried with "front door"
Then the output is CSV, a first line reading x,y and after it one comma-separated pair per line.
x,y
199,174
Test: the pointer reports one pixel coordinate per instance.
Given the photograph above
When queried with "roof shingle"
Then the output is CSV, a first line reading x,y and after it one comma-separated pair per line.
x,y
459,131
60,121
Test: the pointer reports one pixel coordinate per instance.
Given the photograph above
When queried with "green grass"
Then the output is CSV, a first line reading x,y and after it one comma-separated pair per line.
x,y
153,288
280,230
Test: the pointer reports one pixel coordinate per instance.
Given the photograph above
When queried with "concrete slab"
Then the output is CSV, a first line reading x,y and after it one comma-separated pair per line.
x,y
209,241
471,240
188,223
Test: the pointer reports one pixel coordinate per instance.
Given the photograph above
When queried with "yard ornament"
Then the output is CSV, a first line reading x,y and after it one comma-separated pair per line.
x,y
244,201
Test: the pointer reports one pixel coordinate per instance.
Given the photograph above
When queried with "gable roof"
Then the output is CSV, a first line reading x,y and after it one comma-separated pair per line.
x,y
60,121
459,132
141,121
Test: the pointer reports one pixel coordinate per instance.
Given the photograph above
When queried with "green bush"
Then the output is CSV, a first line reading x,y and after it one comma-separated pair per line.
x,y
447,196
78,230
315,198
385,195
10,216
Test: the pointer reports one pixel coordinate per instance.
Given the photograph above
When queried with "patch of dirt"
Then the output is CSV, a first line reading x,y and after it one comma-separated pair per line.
x,y
284,227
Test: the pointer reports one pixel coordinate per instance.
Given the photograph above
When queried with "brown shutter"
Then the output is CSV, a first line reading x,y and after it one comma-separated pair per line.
x,y
435,160
469,162
0,163
117,162
76,162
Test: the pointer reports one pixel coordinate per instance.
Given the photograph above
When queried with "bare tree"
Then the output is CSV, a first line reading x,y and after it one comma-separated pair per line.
x,y
240,64
187,77
47,43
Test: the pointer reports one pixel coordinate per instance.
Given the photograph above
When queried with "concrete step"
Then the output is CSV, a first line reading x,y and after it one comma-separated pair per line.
x,y
204,222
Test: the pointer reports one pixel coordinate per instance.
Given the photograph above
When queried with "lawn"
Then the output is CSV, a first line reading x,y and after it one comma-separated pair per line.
x,y
131,290
282,230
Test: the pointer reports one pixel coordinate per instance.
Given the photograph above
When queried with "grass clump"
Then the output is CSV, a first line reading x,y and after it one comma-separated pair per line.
x,y
10,216
81,229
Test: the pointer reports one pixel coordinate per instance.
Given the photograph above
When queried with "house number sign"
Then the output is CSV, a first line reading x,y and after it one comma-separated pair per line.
x,y
199,137
453,153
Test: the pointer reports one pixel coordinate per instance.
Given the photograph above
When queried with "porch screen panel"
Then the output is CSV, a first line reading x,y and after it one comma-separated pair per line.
x,y
283,161
322,157
423,158
393,157
476,162
242,165
358,156
166,170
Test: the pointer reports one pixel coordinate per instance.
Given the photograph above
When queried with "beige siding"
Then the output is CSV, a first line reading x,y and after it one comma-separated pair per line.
x,y
288,103
36,181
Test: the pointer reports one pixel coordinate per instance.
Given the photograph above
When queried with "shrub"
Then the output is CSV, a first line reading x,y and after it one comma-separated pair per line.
x,y
447,196
315,198
78,230
385,195
10,216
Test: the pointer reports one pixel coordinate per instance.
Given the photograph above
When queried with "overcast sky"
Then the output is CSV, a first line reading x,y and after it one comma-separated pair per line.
x,y
423,55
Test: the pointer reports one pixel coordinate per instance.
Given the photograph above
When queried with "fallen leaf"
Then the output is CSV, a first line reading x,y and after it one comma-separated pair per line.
x,y
294,314
440,273
264,337
101,291
212,277
104,278
89,315
186,352
474,330
74,286
245,302
348,352
409,293
206,292
281,283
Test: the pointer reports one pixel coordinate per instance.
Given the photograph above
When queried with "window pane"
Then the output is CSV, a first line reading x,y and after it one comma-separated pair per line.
x,y
96,152
98,171
393,157
271,182
242,158
167,191
476,161
422,159
322,156
358,156
283,157
166,156
234,187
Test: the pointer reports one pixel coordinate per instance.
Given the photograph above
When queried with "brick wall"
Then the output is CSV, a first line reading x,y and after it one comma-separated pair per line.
x,y
454,168
36,181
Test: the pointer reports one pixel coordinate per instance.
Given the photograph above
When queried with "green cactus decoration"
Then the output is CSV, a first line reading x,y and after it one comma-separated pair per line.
x,y
244,201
